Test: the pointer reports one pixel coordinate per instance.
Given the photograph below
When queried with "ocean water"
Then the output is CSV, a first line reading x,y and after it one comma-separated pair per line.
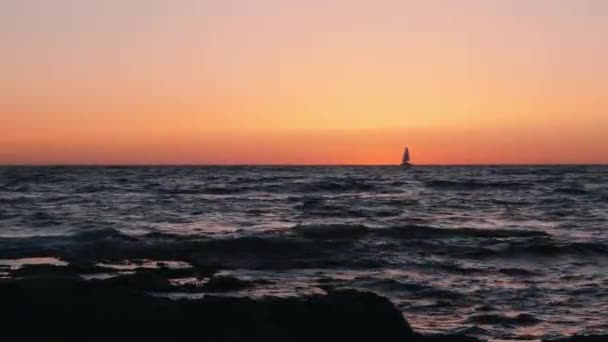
x,y
496,252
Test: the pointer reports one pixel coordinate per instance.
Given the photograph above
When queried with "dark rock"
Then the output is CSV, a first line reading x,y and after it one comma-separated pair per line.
x,y
72,269
485,308
581,338
326,287
203,270
263,282
225,284
349,311
168,272
325,280
71,309
46,285
450,338
139,281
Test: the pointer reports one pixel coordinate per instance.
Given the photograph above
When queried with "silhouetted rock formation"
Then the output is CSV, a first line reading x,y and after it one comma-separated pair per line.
x,y
66,308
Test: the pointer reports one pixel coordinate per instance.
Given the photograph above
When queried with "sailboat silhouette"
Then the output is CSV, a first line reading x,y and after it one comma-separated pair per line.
x,y
406,158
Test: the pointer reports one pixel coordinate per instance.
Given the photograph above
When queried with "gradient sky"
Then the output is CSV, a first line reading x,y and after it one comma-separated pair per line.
x,y
307,82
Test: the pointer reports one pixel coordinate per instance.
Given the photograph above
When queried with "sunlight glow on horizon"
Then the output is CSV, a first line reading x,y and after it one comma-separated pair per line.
x,y
286,82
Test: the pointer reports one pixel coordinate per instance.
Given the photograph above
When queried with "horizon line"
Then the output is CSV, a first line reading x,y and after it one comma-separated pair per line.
x,y
281,164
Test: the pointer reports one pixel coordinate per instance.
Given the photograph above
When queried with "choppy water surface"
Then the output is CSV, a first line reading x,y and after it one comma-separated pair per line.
x,y
502,252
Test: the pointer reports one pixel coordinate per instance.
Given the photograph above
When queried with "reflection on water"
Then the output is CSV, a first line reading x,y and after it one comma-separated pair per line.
x,y
498,252
18,263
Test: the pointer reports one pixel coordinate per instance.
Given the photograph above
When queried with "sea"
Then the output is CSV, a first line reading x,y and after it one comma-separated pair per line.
x,y
500,252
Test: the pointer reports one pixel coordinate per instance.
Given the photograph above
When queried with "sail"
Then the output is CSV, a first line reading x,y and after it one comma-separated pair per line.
x,y
406,156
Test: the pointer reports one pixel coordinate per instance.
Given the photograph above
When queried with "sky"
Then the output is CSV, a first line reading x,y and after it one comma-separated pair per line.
x,y
303,82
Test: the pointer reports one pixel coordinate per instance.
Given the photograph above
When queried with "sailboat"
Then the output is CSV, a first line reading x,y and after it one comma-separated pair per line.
x,y
406,158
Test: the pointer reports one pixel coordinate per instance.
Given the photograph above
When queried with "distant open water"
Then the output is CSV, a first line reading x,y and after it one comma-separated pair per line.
x,y
501,252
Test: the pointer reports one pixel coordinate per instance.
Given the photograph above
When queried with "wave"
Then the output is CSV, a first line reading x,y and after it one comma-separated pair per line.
x,y
403,202
343,211
24,188
248,252
307,202
336,186
410,231
179,191
522,319
414,289
101,234
509,203
331,231
16,200
95,188
475,185
233,188
427,232
544,248
44,219
571,191
517,272
223,190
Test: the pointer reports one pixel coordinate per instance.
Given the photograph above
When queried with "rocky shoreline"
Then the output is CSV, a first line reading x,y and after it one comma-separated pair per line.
x,y
54,303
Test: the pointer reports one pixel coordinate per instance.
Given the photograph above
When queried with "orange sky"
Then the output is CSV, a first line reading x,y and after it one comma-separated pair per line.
x,y
316,82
